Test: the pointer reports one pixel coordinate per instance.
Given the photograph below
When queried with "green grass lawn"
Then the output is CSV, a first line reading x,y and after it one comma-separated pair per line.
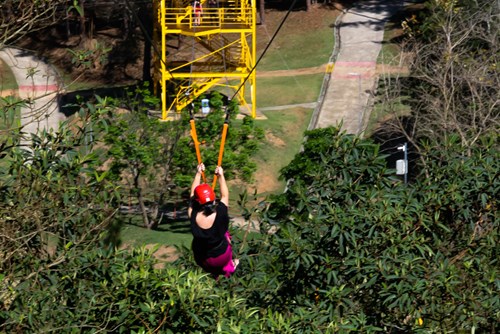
x,y
7,79
174,232
285,128
284,134
294,89
282,90
390,52
384,111
297,45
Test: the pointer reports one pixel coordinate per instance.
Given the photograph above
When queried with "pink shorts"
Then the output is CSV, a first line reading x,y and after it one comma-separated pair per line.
x,y
222,263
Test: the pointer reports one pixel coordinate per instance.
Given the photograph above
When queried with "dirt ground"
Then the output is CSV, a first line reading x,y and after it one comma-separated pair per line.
x,y
380,69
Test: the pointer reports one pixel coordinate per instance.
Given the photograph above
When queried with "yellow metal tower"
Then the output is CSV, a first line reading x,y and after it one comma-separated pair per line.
x,y
203,45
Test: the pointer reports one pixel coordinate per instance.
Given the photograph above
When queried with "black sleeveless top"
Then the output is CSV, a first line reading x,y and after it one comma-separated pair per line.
x,y
211,242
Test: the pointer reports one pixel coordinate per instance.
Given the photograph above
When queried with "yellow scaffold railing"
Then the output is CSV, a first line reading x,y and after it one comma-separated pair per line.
x,y
204,48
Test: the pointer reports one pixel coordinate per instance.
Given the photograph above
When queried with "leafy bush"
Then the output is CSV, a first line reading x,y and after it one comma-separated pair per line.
x,y
362,251
353,249
121,292
55,203
54,196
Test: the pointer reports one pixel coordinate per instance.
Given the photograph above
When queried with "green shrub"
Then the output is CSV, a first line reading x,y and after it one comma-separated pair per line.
x,y
122,293
365,252
352,250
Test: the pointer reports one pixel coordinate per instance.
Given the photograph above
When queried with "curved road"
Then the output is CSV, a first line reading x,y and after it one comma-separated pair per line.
x,y
38,84
351,84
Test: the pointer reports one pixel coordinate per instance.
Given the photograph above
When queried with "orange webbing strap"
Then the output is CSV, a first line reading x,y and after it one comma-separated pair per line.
x,y
221,150
197,146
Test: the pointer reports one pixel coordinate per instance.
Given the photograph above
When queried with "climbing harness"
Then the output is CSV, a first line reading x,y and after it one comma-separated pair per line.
x,y
193,126
197,143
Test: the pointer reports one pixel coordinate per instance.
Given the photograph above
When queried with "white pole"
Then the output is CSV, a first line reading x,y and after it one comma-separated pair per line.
x,y
404,148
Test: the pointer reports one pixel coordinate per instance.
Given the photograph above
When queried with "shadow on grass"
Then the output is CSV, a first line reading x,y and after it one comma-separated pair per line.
x,y
412,10
175,226
170,222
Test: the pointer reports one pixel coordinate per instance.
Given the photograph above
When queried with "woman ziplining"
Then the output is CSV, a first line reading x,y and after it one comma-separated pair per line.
x,y
209,217
210,226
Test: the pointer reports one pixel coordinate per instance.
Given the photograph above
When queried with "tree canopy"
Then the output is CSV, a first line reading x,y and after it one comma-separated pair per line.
x,y
354,249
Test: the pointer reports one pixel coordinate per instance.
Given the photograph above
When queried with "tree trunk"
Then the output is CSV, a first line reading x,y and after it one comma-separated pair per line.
x,y
148,25
150,224
262,8
83,29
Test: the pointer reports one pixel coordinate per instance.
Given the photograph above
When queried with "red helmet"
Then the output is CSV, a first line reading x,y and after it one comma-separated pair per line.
x,y
204,194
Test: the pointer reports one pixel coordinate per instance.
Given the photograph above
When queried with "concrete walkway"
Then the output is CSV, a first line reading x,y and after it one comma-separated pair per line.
x,y
38,84
347,97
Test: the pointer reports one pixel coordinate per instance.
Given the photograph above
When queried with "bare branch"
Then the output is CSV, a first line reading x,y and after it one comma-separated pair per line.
x,y
454,79
19,17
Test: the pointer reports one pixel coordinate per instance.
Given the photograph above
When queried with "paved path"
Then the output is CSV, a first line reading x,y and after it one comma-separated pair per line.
x,y
37,83
347,97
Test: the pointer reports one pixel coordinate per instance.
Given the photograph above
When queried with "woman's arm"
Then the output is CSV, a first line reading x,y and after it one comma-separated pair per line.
x,y
196,182
224,191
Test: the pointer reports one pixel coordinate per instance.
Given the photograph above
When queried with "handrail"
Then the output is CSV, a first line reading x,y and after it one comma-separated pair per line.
x,y
211,17
179,18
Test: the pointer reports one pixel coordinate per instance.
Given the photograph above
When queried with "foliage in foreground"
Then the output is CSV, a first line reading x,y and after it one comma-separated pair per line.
x,y
122,292
356,250
381,256
53,198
